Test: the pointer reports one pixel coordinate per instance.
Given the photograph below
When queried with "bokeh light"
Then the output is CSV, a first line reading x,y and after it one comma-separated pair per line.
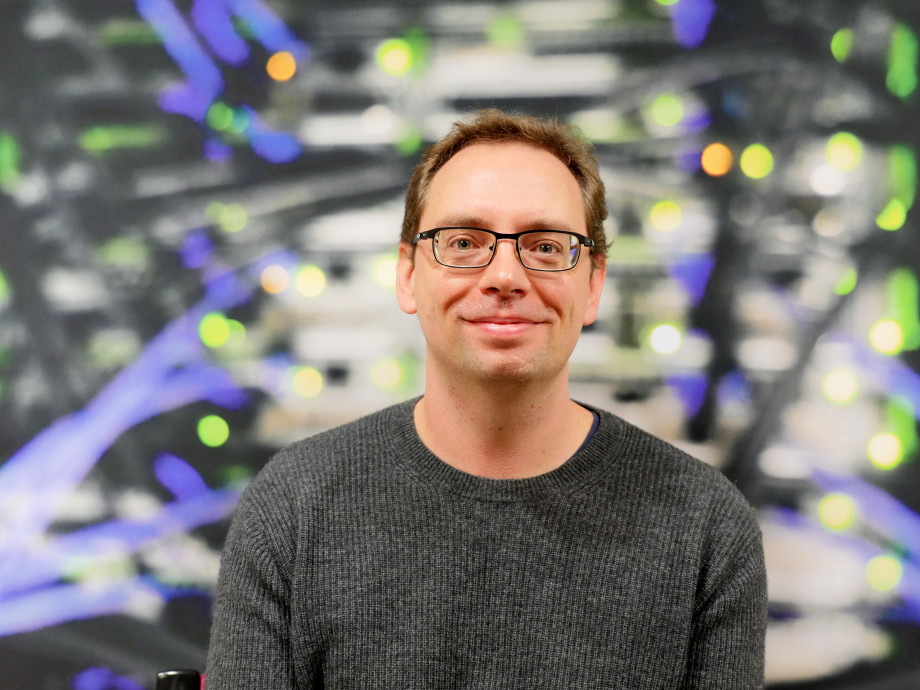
x,y
387,374
837,511
395,56
667,110
887,336
506,31
884,573
307,382
384,271
716,159
310,281
885,450
219,116
275,279
213,329
666,216
901,79
213,430
893,216
665,339
847,282
230,218
840,386
756,161
281,66
842,44
844,151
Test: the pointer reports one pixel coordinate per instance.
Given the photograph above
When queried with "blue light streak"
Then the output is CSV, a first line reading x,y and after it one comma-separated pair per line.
x,y
213,20
692,271
268,28
179,477
691,20
204,85
36,565
205,82
275,147
103,679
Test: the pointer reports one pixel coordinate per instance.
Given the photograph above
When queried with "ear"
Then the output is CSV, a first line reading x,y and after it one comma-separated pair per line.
x,y
595,288
405,274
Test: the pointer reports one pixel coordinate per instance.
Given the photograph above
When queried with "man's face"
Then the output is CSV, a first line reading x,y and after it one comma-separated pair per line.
x,y
501,322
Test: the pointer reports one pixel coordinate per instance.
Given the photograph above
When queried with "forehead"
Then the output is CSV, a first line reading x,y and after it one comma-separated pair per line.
x,y
506,181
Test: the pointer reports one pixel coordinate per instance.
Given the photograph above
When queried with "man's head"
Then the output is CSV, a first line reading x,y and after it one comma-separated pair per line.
x,y
508,310
491,126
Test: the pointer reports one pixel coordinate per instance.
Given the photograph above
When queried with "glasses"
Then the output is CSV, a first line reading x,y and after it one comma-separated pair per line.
x,y
538,250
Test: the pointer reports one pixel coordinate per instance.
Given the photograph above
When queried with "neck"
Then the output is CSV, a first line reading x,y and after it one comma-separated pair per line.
x,y
502,430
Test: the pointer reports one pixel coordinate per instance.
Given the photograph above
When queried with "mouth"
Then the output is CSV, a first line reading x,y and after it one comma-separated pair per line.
x,y
502,326
502,320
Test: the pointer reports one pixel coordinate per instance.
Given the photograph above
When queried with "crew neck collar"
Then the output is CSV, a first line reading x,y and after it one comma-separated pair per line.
x,y
407,448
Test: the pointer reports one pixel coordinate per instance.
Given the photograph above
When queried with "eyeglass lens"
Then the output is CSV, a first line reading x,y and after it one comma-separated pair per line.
x,y
542,250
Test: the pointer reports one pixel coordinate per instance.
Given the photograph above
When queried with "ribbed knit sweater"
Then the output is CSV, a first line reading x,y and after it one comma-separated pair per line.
x,y
358,559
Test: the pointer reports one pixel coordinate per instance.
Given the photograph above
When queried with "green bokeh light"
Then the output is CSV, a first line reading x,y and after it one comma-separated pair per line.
x,y
902,174
409,142
395,56
847,282
756,161
213,431
219,116
903,292
901,419
10,159
125,252
104,138
118,32
842,44
230,218
214,329
667,110
893,216
901,79
4,289
506,31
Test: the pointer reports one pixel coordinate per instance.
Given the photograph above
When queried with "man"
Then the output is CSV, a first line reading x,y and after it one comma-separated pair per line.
x,y
493,533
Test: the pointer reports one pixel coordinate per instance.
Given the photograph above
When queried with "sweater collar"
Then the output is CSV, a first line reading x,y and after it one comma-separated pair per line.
x,y
408,450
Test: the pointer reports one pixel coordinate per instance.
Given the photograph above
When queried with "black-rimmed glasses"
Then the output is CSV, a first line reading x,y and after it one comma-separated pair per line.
x,y
538,250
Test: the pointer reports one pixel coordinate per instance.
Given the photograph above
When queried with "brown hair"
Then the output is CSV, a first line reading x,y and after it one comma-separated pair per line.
x,y
565,142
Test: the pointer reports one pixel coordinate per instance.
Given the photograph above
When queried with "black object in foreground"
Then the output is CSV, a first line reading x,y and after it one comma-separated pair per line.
x,y
178,679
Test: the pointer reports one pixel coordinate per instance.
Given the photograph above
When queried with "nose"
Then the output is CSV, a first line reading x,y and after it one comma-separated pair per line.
x,y
504,274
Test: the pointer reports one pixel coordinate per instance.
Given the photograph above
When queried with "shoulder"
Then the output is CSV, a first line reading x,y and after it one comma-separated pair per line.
x,y
661,474
342,454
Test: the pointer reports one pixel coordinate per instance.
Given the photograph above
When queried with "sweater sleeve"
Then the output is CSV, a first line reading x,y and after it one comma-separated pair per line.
x,y
250,644
729,624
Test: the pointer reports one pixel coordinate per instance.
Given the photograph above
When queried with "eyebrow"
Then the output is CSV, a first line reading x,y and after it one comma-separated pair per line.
x,y
477,222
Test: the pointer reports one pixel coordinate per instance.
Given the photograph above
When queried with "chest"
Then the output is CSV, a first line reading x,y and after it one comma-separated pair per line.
x,y
495,590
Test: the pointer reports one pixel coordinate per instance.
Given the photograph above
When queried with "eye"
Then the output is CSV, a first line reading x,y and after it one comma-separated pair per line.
x,y
548,248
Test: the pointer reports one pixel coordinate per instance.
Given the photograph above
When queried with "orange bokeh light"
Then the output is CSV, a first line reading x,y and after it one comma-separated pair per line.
x,y
275,279
717,159
281,66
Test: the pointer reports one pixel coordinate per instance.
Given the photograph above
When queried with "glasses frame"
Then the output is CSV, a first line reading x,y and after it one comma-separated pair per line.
x,y
430,235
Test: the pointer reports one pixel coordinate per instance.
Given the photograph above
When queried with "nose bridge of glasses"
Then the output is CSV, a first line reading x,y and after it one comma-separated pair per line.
x,y
513,247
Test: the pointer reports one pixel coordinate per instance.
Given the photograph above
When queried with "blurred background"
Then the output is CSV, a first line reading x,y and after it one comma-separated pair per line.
x,y
199,207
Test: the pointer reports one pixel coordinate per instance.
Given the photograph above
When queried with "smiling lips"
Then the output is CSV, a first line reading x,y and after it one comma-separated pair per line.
x,y
502,325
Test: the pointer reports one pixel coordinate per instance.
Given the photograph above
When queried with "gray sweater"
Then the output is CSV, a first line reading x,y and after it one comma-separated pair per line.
x,y
358,559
